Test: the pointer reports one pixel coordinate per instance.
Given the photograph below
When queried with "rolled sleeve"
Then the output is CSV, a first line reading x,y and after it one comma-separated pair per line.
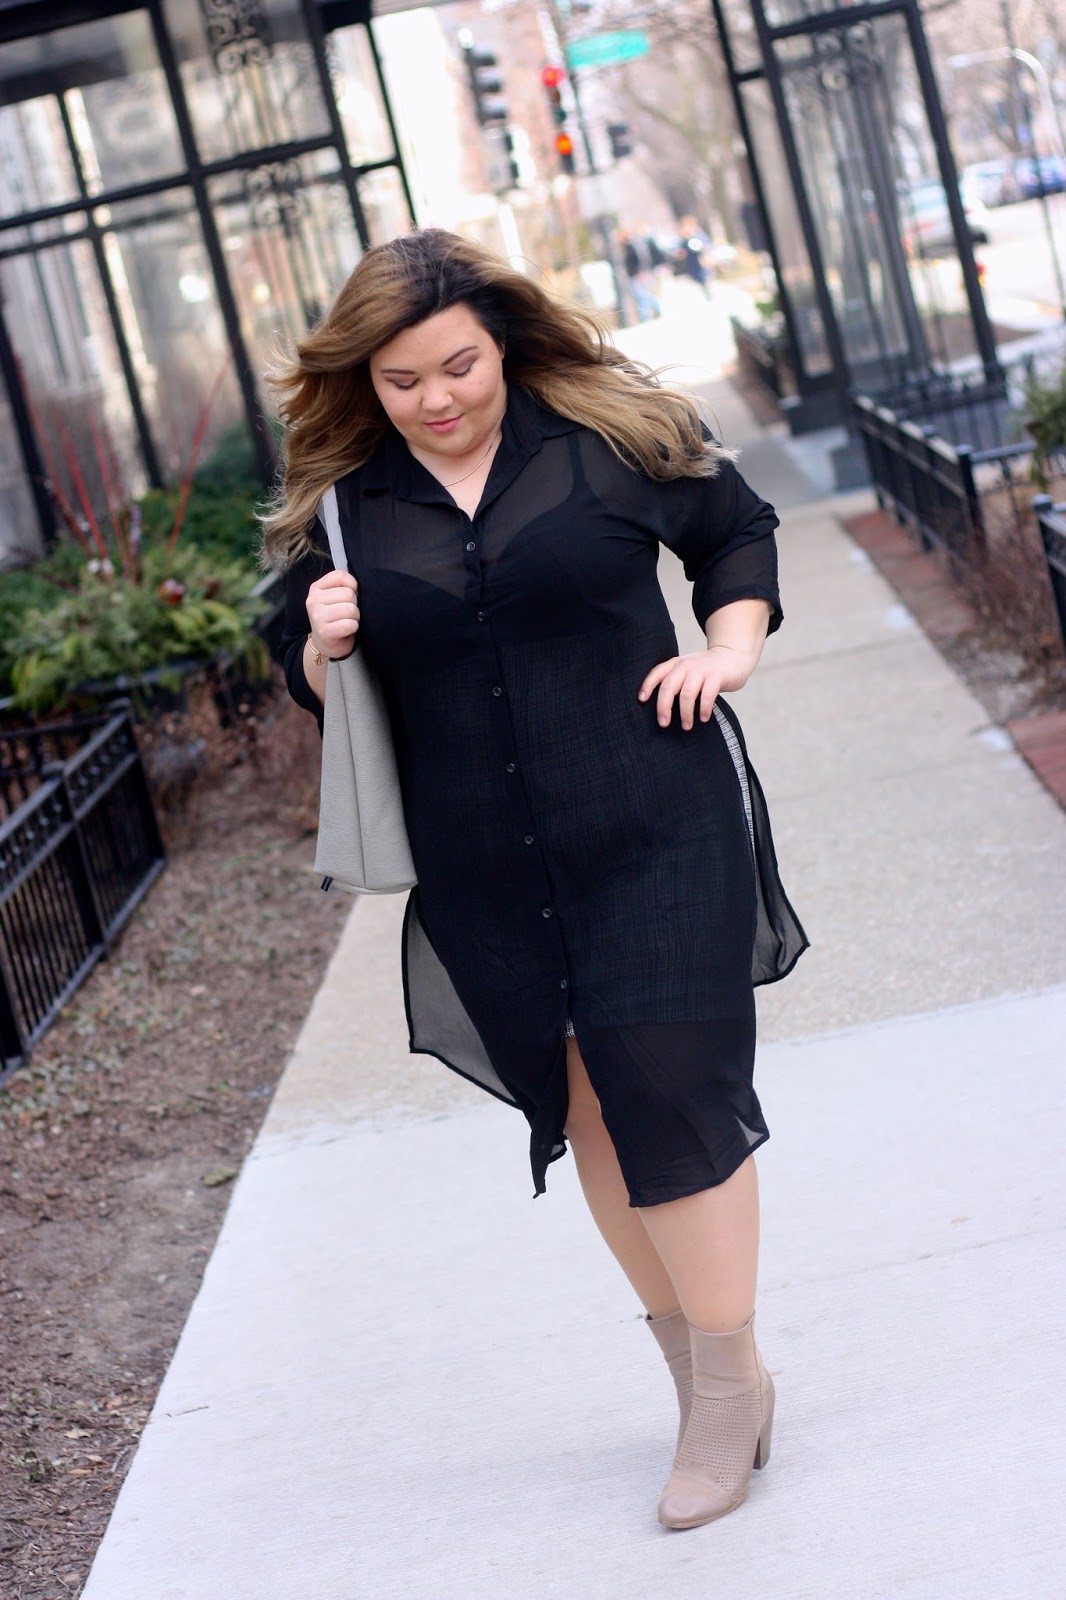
x,y
724,534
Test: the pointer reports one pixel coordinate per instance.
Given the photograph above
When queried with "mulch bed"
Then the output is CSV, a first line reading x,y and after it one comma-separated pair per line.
x,y
119,1140
994,622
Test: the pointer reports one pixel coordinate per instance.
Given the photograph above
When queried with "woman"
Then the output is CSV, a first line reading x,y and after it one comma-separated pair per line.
x,y
594,862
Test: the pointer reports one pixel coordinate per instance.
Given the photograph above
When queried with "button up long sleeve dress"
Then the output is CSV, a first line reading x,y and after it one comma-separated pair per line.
x,y
578,865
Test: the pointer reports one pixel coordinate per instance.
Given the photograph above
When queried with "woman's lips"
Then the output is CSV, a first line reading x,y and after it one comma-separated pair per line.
x,y
446,426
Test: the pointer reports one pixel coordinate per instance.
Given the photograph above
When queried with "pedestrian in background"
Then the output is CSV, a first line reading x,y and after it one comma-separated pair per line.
x,y
690,257
597,888
642,259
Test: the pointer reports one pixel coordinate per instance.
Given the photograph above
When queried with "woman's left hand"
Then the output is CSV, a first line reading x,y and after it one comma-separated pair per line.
x,y
697,678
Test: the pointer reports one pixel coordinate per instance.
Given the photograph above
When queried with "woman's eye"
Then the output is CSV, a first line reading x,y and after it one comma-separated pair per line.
x,y
464,372
403,386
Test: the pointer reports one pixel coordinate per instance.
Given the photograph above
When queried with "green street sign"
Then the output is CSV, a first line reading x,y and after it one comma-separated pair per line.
x,y
607,49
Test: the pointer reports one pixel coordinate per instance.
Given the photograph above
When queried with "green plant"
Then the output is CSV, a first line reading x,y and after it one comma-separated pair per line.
x,y
119,597
182,609
220,523
1045,420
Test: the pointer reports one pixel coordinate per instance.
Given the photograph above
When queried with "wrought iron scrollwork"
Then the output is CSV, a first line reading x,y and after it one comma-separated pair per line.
x,y
238,34
276,194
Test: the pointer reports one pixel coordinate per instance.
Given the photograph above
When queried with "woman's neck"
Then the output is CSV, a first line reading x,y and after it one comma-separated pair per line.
x,y
451,469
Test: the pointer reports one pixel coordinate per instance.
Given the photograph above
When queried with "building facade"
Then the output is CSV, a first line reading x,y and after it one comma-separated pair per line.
x,y
183,185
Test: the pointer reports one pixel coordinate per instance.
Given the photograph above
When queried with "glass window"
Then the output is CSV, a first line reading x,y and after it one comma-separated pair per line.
x,y
115,111
788,233
290,243
249,74
384,204
743,39
358,94
880,211
72,378
172,324
36,170
20,532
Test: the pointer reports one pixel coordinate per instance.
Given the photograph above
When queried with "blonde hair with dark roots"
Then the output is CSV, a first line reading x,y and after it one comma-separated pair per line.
x,y
334,421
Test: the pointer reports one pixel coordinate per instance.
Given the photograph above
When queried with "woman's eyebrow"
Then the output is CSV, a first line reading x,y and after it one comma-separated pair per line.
x,y
406,372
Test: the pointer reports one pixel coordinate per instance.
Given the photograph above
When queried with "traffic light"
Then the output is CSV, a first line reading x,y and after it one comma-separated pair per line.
x,y
552,78
621,144
514,171
485,83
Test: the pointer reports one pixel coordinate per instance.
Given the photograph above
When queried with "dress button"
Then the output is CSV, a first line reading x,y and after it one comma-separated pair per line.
x,y
510,767
547,911
564,983
529,838
482,615
497,691
471,544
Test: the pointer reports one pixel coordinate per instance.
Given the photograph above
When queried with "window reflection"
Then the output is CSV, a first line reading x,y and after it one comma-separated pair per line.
x,y
162,276
36,170
290,241
72,377
108,103
366,127
249,74
384,204
113,306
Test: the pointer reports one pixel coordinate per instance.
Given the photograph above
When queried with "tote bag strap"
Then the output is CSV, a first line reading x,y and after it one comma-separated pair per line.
x,y
330,518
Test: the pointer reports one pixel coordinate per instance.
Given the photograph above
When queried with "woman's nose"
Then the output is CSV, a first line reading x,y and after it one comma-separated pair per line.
x,y
436,397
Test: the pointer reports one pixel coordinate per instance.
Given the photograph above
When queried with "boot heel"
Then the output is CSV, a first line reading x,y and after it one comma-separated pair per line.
x,y
762,1448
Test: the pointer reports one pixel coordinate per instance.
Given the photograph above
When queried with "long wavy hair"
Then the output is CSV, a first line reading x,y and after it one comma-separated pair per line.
x,y
334,421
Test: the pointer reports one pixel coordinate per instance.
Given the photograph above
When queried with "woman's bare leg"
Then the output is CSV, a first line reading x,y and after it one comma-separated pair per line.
x,y
709,1245
624,1233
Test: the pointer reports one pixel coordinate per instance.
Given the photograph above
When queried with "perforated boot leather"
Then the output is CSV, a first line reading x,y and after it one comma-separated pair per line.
x,y
672,1335
728,1432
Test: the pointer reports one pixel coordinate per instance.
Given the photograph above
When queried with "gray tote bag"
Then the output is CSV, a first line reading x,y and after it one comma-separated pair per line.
x,y
362,838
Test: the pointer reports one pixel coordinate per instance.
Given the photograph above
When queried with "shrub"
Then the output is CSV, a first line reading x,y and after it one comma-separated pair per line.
x,y
108,627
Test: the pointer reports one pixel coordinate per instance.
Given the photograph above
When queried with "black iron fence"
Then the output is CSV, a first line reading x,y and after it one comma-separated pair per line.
x,y
79,848
955,492
763,359
1051,520
929,482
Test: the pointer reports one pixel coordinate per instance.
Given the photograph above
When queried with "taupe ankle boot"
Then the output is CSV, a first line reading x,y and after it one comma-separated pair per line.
x,y
672,1335
728,1429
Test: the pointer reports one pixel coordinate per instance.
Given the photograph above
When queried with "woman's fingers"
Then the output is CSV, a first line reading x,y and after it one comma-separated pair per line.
x,y
333,609
690,680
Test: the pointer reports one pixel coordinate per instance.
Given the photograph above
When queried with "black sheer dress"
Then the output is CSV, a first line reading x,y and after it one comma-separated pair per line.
x,y
578,865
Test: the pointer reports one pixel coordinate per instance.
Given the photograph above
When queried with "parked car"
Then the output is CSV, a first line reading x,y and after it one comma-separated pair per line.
x,y
1052,171
991,183
926,221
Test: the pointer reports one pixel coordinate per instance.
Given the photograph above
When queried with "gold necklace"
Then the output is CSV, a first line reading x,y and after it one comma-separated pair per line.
x,y
493,442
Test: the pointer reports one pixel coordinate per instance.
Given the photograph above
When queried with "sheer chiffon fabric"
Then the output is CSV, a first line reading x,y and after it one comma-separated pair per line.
x,y
579,866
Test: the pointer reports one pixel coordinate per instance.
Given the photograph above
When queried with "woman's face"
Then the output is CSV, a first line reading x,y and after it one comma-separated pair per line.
x,y
441,383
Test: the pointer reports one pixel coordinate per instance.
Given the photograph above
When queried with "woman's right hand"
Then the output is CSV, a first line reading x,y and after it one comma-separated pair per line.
x,y
333,612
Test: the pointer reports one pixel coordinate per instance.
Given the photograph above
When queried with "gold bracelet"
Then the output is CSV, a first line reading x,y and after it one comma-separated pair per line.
x,y
320,659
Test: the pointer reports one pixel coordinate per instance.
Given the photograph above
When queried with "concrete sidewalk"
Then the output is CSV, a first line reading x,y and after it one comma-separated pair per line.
x,y
402,1378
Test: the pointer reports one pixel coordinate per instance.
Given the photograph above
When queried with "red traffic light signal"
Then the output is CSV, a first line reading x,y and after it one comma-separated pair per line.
x,y
552,77
564,146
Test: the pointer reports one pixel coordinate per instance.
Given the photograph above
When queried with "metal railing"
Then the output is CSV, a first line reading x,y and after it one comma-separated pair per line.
x,y
1051,520
763,359
79,849
929,483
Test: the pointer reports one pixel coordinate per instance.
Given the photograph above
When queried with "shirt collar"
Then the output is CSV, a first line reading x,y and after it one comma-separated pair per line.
x,y
392,469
